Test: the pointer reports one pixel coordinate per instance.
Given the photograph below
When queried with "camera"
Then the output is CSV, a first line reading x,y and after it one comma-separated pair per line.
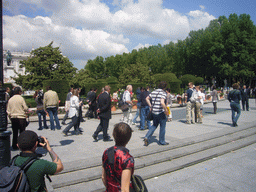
x,y
40,140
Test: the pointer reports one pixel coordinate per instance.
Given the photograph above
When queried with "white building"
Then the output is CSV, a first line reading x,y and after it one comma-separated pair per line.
x,y
9,71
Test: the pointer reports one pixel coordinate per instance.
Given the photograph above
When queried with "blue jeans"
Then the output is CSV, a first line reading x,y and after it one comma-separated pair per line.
x,y
143,116
53,112
235,107
74,123
137,113
41,113
158,119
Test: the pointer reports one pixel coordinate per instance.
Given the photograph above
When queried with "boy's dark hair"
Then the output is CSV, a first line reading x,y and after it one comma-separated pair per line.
x,y
17,90
27,140
162,85
122,133
235,86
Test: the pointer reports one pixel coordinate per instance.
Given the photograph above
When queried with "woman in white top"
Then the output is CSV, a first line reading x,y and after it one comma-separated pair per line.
x,y
74,114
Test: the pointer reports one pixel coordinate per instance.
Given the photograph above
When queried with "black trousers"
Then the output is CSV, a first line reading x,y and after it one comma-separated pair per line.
x,y
103,126
18,125
245,102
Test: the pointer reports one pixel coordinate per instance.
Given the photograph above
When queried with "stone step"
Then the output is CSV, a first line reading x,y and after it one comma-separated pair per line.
x,y
156,163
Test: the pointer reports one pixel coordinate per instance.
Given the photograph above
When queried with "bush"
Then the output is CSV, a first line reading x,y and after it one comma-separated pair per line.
x,y
30,101
199,81
175,86
185,79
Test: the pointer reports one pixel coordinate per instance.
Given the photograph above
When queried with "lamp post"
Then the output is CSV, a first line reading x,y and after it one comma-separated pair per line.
x,y
5,154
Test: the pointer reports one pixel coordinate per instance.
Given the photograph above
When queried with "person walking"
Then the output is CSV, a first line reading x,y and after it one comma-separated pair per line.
x,y
16,110
67,106
159,112
144,109
245,93
138,93
198,104
234,98
127,99
169,103
104,111
39,96
74,114
117,172
51,105
214,95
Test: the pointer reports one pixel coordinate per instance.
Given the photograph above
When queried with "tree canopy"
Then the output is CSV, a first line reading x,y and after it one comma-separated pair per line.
x,y
45,63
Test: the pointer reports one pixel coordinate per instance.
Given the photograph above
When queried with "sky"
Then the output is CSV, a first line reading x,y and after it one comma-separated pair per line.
x,y
85,29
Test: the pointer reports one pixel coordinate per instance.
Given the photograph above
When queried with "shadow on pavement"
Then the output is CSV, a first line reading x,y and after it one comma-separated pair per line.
x,y
223,123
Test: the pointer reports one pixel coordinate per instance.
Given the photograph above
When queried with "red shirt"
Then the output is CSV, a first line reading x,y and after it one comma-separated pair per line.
x,y
123,160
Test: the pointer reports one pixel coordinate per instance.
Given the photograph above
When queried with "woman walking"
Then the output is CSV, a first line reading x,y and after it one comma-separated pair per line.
x,y
74,114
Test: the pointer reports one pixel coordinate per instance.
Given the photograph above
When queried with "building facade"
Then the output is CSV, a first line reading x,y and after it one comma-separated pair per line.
x,y
11,64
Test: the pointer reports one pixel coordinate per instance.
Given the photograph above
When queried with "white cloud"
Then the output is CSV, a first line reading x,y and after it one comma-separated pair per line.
x,y
139,46
87,28
75,43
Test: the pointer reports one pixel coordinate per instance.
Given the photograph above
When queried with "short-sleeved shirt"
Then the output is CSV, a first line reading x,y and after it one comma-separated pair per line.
x,y
127,96
156,97
123,160
37,171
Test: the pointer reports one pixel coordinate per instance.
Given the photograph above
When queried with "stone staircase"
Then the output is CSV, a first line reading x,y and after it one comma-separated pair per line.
x,y
153,161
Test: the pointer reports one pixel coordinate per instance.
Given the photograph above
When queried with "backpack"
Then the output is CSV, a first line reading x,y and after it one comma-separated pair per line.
x,y
121,102
193,97
138,183
13,178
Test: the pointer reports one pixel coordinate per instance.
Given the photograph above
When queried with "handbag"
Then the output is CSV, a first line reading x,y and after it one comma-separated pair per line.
x,y
150,114
124,107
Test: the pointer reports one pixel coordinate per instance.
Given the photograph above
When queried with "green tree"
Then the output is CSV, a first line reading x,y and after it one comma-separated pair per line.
x,y
45,63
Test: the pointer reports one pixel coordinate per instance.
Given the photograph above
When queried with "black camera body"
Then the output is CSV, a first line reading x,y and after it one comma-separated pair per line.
x,y
40,140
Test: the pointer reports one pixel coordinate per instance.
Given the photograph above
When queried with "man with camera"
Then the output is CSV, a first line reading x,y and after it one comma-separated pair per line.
x,y
28,141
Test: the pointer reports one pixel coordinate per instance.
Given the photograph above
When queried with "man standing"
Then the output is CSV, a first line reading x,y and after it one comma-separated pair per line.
x,y
214,95
198,104
144,109
190,108
159,111
128,100
27,143
245,98
234,98
104,111
67,105
16,110
51,105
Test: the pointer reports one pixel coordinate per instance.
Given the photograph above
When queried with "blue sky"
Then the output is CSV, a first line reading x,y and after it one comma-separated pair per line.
x,y
85,29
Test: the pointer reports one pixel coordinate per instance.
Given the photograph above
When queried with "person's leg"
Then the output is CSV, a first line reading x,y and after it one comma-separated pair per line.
x,y
39,114
247,104
193,112
76,122
49,110
243,104
44,119
214,107
162,121
198,112
153,127
65,118
105,123
15,128
233,113
55,113
148,121
70,125
98,130
188,112
142,118
238,110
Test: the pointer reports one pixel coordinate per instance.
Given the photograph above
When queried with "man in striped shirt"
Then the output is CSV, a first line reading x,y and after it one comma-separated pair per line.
x,y
159,111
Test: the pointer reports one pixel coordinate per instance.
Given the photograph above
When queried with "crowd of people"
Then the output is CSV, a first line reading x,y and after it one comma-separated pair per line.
x,y
157,103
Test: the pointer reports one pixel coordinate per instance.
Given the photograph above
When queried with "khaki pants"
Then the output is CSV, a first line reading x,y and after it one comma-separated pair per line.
x,y
190,112
198,114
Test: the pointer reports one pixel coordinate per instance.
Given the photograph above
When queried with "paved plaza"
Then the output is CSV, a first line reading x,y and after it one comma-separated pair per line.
x,y
231,172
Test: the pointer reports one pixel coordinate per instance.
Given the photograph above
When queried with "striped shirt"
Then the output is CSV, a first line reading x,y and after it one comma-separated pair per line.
x,y
156,97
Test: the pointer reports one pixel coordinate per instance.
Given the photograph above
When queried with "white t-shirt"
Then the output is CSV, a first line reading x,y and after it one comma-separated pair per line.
x,y
74,106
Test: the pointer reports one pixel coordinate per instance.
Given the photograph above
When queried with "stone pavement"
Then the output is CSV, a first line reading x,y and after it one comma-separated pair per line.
x,y
81,147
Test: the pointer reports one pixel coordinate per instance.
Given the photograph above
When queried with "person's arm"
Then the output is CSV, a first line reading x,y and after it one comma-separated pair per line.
x,y
125,179
53,155
104,177
148,101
